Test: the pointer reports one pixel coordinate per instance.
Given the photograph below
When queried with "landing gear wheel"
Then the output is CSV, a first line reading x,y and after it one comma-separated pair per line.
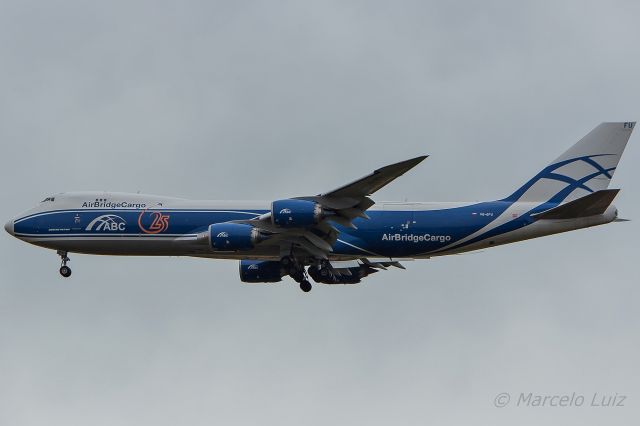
x,y
65,271
305,286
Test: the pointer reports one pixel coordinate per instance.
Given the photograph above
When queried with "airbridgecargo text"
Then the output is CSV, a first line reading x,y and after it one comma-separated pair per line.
x,y
106,204
417,238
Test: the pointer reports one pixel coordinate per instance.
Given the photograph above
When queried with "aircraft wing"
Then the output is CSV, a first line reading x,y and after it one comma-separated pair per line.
x,y
369,184
351,200
342,206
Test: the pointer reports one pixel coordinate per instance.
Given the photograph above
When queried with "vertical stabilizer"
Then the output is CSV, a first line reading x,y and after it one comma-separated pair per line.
x,y
585,168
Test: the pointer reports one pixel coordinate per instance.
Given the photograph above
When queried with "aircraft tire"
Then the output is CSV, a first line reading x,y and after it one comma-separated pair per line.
x,y
305,286
65,271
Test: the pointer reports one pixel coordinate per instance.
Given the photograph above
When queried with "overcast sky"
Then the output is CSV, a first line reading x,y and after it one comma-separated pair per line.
x,y
263,100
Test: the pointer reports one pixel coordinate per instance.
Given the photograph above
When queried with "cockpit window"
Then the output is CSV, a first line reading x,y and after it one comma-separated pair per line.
x,y
48,199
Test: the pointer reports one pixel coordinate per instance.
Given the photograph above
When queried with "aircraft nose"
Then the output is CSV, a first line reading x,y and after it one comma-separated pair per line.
x,y
9,227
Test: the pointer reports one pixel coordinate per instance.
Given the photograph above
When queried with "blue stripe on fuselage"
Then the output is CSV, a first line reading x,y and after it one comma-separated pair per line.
x,y
409,233
124,222
389,233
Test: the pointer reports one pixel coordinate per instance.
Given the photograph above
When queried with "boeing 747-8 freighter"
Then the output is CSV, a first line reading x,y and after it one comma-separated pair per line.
x,y
340,236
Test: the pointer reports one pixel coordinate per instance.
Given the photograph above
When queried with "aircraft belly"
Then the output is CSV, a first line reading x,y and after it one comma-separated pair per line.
x,y
120,246
145,246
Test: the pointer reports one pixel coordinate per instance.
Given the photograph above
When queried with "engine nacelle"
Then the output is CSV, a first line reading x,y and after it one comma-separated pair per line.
x,y
258,271
295,213
233,236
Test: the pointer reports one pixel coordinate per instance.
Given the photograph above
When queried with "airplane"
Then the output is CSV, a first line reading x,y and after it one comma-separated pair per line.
x,y
337,237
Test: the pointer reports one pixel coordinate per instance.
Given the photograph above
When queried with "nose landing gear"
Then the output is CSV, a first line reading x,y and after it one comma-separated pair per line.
x,y
65,271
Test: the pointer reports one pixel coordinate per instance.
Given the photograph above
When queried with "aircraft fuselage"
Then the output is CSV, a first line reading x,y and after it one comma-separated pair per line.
x,y
135,224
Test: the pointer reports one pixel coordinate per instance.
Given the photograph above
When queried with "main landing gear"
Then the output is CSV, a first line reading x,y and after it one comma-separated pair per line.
x,y
297,272
65,271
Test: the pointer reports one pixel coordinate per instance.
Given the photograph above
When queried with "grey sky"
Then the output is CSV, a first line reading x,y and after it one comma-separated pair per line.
x,y
262,100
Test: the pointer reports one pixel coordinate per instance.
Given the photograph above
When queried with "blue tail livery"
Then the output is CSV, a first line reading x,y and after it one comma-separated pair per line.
x,y
340,236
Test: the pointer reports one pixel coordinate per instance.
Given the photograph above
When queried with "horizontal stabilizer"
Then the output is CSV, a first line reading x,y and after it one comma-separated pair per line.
x,y
589,205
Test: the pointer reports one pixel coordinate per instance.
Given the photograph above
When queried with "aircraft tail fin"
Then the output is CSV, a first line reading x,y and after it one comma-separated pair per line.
x,y
589,205
585,168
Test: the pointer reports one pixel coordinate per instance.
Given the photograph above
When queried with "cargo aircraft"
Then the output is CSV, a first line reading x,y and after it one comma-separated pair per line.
x,y
337,237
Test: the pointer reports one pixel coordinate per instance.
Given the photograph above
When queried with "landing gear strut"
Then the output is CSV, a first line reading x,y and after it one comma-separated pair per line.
x,y
297,272
65,271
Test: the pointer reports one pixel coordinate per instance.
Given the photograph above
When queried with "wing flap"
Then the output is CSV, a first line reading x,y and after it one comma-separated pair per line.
x,y
304,244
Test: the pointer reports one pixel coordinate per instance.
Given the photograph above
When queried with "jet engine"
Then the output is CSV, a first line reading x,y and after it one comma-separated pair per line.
x,y
229,236
295,213
258,271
